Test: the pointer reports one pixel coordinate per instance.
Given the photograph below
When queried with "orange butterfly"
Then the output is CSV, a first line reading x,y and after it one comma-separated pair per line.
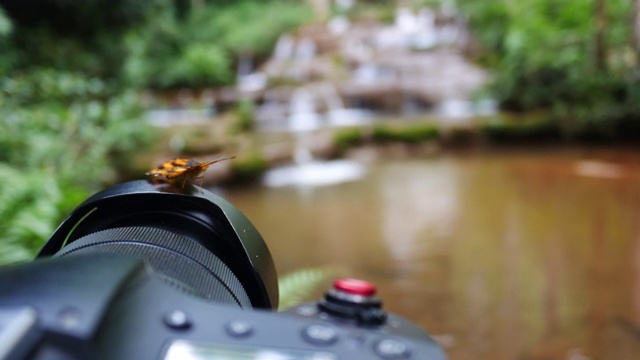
x,y
182,170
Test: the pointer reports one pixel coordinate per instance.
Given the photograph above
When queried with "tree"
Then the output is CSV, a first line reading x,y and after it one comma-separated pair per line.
x,y
568,57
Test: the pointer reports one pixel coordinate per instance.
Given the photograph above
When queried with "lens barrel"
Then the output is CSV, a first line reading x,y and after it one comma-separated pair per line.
x,y
190,237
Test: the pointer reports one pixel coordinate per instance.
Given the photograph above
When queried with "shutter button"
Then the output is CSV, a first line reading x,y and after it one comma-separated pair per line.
x,y
355,287
354,299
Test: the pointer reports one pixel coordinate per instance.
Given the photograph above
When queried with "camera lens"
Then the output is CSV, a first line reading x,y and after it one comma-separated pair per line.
x,y
191,238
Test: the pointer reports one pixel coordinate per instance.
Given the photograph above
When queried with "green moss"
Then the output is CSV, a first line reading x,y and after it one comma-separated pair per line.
x,y
249,167
520,129
245,117
346,138
393,132
411,133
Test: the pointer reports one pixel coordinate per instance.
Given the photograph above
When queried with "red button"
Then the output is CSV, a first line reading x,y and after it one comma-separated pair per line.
x,y
355,287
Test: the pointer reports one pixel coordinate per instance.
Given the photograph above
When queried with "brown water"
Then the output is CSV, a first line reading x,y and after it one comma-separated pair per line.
x,y
518,255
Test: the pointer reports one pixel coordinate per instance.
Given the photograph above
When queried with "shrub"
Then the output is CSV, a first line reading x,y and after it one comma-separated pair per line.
x,y
199,65
63,136
559,59
201,47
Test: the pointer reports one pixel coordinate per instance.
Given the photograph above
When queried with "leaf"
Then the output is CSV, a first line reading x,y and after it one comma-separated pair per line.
x,y
298,286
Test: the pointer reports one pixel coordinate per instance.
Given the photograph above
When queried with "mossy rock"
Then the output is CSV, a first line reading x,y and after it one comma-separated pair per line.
x,y
412,133
249,167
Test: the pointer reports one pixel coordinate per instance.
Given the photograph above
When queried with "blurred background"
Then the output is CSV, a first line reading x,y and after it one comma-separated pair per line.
x,y
477,160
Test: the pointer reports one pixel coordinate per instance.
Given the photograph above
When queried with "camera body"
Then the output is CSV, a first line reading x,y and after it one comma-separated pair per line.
x,y
143,271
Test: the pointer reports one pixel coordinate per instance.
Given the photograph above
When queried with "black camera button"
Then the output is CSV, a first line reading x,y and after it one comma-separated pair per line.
x,y
320,334
392,349
178,320
239,329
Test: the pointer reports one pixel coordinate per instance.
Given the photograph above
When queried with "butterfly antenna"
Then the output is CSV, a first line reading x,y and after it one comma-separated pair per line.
x,y
207,163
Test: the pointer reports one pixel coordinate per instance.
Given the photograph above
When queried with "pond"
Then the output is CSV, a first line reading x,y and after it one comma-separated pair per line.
x,y
525,254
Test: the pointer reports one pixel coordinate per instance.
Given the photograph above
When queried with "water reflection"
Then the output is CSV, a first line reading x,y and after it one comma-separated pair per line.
x,y
425,208
314,173
516,256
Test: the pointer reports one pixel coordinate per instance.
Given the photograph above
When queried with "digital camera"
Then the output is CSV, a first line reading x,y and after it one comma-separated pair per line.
x,y
151,271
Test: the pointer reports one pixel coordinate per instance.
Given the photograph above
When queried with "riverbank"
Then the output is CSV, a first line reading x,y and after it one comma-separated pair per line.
x,y
257,151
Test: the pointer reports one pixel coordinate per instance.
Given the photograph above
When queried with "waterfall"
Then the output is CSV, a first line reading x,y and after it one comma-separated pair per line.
x,y
284,48
302,112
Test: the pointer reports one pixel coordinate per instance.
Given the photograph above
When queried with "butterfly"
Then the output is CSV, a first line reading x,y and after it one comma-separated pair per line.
x,y
180,171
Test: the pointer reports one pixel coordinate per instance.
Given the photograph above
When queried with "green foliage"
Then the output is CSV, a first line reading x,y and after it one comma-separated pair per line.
x,y
5,24
164,54
409,133
46,85
545,55
6,28
241,33
32,204
153,49
534,128
83,36
198,65
297,287
66,122
80,19
346,138
382,11
201,46
63,135
387,132
245,115
249,167
66,132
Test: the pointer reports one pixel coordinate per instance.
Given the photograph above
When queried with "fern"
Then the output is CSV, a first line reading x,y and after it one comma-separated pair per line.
x,y
29,212
300,285
63,134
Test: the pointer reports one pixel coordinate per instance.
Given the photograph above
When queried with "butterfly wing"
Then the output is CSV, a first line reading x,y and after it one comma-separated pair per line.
x,y
172,168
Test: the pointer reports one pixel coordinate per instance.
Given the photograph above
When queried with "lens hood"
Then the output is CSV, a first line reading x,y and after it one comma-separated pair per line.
x,y
193,213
